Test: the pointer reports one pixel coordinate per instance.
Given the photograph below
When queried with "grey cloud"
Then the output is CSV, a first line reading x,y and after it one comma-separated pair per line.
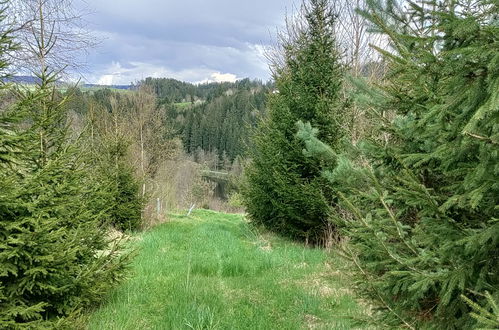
x,y
184,36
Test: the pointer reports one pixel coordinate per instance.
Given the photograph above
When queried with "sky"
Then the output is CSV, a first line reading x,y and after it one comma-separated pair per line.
x,y
189,40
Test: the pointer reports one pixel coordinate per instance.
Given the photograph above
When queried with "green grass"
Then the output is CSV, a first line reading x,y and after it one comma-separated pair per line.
x,y
214,271
183,104
97,88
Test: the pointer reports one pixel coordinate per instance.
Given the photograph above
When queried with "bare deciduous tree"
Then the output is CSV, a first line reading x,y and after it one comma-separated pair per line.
x,y
52,35
352,35
355,39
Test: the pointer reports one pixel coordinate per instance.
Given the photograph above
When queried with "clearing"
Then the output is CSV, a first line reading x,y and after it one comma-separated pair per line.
x,y
214,271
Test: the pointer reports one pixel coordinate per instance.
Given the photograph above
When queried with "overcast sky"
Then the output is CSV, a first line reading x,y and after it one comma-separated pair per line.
x,y
189,40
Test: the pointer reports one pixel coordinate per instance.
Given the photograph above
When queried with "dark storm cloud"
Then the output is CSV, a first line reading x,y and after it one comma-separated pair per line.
x,y
191,40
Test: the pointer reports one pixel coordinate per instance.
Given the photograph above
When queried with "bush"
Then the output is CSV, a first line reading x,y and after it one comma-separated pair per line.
x,y
235,200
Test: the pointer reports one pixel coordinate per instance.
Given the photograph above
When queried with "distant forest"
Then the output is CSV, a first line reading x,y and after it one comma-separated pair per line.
x,y
213,117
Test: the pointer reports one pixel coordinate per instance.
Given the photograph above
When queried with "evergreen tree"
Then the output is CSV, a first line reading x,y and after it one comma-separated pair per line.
x,y
224,123
284,189
108,151
423,218
125,204
52,259
50,224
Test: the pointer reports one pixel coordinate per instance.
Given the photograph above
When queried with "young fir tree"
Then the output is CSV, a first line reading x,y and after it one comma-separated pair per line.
x,y
125,203
54,255
107,144
284,189
424,222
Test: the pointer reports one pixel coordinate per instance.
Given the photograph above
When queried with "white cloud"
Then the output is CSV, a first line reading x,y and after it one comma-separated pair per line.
x,y
219,77
218,38
106,80
222,77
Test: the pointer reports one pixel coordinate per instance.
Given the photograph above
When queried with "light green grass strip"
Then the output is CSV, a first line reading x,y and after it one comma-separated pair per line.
x,y
214,271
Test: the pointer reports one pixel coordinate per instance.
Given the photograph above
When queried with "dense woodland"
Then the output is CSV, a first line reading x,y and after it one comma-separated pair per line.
x,y
377,138
213,117
208,118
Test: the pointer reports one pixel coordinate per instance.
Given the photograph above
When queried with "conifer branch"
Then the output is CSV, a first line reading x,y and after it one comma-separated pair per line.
x,y
482,138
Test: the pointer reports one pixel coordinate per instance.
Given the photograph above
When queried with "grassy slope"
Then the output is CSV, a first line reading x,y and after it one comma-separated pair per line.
x,y
213,271
183,104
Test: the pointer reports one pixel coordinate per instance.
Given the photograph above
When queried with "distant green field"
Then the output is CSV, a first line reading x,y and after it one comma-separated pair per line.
x,y
183,104
214,271
96,88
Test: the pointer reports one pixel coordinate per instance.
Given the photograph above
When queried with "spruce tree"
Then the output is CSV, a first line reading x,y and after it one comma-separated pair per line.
x,y
284,189
107,150
423,218
125,204
51,211
55,258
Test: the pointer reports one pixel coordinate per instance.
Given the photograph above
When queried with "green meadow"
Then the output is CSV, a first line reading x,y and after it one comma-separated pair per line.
x,y
215,271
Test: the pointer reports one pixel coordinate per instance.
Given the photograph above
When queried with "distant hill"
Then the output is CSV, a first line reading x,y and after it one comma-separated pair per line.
x,y
170,90
125,87
30,80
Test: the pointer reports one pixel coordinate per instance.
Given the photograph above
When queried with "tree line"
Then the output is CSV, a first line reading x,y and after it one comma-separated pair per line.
x,y
215,117
170,90
218,119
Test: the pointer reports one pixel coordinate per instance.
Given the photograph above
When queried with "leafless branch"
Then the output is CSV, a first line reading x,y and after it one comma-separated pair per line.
x,y
52,34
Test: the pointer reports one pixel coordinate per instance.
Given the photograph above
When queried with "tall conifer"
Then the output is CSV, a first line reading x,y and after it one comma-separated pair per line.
x,y
285,190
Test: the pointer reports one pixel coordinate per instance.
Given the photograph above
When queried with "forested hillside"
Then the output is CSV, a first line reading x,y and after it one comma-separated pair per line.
x,y
215,117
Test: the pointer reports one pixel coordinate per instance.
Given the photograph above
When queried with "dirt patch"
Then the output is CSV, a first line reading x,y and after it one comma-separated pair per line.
x,y
312,321
266,248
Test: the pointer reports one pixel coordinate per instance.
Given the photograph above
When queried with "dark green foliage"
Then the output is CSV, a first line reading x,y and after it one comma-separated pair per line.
x,y
127,210
423,222
285,190
219,118
8,139
171,91
124,202
54,255
51,255
224,123
487,316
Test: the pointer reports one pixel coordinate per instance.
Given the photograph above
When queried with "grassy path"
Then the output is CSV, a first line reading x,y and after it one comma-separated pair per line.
x,y
213,271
